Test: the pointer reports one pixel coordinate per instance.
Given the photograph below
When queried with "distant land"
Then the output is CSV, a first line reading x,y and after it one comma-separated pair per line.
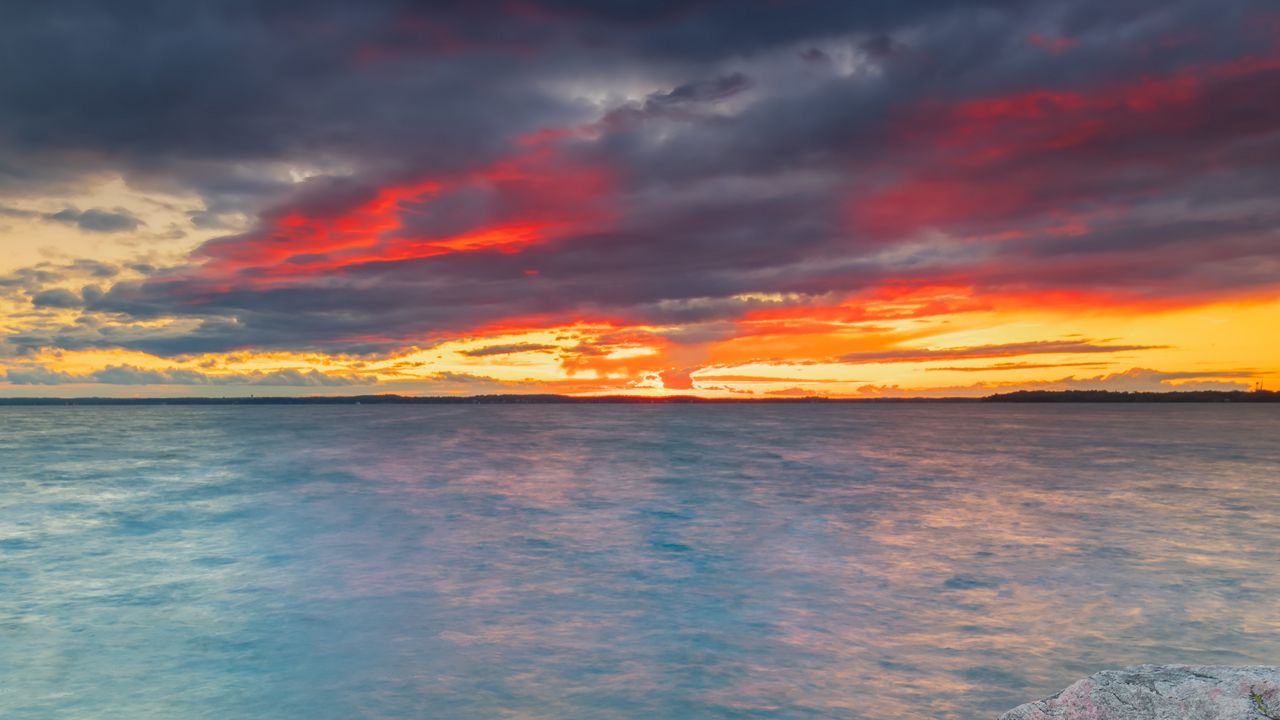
x,y
1108,396
1021,396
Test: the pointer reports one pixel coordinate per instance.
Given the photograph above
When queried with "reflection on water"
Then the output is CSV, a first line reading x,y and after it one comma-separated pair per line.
x,y
905,561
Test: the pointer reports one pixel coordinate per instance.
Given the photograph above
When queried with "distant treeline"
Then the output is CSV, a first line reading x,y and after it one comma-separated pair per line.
x,y
1109,396
545,399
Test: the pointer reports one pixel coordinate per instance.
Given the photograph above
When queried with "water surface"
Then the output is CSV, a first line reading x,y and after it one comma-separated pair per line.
x,y
799,561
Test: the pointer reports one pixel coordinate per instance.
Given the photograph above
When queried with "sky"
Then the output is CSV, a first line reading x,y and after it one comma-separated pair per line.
x,y
729,198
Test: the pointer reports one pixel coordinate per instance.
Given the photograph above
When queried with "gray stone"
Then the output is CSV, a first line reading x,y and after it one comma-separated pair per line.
x,y
1164,692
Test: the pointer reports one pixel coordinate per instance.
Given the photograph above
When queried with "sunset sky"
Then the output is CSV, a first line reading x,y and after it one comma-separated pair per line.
x,y
717,197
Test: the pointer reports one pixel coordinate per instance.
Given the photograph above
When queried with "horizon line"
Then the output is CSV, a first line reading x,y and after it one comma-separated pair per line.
x,y
1050,396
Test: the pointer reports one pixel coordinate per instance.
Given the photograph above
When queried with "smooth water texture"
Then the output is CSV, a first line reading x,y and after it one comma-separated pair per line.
x,y
561,562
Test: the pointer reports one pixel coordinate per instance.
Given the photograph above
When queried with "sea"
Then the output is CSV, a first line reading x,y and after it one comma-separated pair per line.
x,y
859,561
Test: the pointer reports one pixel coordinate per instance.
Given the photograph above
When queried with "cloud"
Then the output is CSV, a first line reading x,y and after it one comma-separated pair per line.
x,y
13,212
45,279
97,220
128,375
792,392
709,91
56,298
1147,380
767,379
490,350
1038,347
1004,366
1132,380
38,376
677,378
132,375
412,174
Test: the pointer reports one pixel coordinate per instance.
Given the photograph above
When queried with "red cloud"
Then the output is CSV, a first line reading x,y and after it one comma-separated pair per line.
x,y
534,196
1052,155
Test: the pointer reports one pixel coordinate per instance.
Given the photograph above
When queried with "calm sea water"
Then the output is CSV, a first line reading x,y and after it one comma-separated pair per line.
x,y
922,561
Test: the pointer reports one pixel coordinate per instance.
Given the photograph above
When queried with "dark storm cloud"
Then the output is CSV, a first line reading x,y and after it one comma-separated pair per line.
x,y
184,91
748,148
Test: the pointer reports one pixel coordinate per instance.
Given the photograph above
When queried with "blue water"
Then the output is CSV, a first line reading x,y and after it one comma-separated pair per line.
x,y
800,561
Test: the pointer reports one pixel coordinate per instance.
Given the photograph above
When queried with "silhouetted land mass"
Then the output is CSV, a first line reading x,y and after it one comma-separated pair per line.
x,y
1108,396
1024,396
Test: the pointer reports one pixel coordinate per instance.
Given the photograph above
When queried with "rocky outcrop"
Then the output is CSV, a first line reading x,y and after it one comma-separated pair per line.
x,y
1164,692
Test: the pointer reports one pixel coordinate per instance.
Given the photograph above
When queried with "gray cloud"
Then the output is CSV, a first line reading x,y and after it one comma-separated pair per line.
x,y
96,220
132,375
13,212
510,349
57,298
35,281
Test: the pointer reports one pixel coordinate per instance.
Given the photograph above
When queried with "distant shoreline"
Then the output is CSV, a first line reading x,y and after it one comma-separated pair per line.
x,y
1022,396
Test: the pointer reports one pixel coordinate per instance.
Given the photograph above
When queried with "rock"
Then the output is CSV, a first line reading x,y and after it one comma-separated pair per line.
x,y
1164,692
